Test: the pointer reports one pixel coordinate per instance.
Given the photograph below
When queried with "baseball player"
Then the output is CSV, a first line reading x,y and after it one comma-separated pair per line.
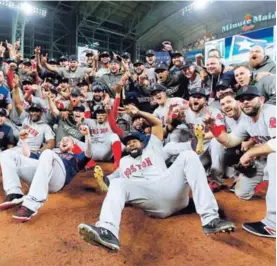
x,y
160,97
244,185
46,172
38,132
105,144
144,181
261,126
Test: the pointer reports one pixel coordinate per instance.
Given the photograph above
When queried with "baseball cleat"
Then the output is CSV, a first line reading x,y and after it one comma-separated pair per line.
x,y
218,225
199,133
259,229
99,236
99,176
24,214
11,201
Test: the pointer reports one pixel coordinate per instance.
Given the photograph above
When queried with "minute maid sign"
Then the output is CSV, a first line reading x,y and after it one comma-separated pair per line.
x,y
249,22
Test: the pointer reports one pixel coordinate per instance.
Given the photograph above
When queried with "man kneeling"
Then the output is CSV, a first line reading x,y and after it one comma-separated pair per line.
x,y
144,181
47,172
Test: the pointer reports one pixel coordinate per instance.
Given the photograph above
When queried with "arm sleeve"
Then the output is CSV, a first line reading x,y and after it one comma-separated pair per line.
x,y
10,137
8,98
48,133
60,71
82,160
272,144
114,126
115,107
269,87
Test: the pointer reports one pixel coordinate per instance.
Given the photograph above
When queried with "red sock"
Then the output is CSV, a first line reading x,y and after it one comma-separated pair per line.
x,y
116,147
90,165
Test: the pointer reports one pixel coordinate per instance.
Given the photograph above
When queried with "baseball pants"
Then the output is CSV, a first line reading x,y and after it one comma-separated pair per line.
x,y
245,186
44,175
270,173
101,151
161,197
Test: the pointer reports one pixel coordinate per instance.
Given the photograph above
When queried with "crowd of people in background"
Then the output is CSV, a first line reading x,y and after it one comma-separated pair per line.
x,y
63,117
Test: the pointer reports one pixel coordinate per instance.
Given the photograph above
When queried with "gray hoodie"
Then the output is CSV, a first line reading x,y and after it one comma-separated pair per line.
x,y
267,87
268,65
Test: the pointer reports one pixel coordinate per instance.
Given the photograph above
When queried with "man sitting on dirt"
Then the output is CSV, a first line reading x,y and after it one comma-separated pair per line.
x,y
144,181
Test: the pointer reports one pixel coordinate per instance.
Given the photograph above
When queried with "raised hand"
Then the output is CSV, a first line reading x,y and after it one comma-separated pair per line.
x,y
9,46
23,135
17,45
208,120
2,50
128,109
84,130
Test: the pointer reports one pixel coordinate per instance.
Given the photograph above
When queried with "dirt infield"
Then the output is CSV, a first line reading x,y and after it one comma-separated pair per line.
x,y
51,237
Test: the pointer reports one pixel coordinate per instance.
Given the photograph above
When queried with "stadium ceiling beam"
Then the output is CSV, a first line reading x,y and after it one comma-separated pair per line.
x,y
89,13
108,15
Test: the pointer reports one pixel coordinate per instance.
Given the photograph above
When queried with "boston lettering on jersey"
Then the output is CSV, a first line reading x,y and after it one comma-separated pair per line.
x,y
136,167
31,130
95,131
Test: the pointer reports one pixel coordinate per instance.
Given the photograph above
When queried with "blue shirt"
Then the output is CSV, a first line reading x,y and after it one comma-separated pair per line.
x,y
5,96
73,163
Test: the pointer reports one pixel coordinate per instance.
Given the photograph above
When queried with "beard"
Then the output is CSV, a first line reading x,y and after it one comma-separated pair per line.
x,y
254,111
135,153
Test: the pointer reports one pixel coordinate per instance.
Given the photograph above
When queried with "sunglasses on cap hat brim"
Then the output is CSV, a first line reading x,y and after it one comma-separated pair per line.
x,y
27,82
160,70
35,109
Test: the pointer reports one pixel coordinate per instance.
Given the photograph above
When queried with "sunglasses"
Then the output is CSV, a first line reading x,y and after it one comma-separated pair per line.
x,y
247,98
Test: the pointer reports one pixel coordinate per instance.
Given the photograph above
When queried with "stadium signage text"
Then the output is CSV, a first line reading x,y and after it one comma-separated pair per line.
x,y
249,22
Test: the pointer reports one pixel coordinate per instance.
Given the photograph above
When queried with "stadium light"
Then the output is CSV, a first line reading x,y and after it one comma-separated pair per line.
x,y
25,8
195,5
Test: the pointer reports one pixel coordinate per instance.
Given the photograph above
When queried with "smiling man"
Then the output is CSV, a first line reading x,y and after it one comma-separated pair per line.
x,y
144,181
46,172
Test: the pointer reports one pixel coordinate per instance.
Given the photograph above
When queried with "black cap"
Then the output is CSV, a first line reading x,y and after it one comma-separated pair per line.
x,y
35,106
115,61
79,108
138,62
130,136
4,112
53,90
63,58
11,60
99,110
89,52
150,53
50,80
33,57
187,64
126,55
176,53
197,91
222,84
98,87
157,88
161,66
27,61
248,90
63,80
73,58
27,80
104,53
52,61
82,83
76,92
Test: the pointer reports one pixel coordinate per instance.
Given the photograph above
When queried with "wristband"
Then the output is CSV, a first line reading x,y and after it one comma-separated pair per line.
x,y
216,130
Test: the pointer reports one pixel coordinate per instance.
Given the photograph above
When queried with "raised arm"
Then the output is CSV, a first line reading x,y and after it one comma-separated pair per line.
x,y
85,131
157,127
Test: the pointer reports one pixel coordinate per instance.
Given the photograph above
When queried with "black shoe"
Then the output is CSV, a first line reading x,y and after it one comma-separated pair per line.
x,y
24,214
259,229
98,235
11,201
218,225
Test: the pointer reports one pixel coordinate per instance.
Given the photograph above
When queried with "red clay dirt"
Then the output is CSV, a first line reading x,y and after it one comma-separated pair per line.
x,y
51,237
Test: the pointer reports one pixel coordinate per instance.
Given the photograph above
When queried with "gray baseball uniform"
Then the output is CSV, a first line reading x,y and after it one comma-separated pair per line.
x,y
102,138
245,186
146,183
262,131
213,151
